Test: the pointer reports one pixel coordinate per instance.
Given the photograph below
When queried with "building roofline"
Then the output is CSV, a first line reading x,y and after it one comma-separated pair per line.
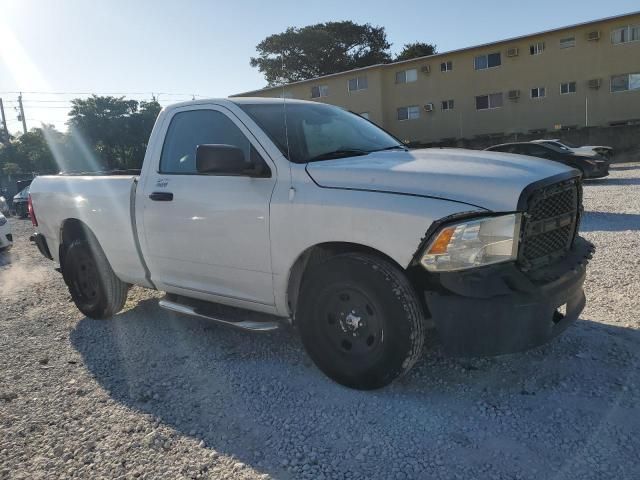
x,y
450,52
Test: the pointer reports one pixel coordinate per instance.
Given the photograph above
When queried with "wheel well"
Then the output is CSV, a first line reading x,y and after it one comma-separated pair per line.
x,y
316,254
70,230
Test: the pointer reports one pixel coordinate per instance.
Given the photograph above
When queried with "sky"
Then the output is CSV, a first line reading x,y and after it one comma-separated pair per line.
x,y
179,49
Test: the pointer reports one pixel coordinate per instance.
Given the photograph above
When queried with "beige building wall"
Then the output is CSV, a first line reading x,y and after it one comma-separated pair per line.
x,y
587,60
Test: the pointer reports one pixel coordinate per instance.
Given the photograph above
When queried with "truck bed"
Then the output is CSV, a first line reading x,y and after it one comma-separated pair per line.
x,y
103,202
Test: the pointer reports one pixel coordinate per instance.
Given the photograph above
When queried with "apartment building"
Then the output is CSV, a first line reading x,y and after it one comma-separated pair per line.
x,y
580,75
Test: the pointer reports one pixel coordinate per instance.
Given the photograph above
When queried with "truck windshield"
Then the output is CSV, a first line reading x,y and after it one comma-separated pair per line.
x,y
319,132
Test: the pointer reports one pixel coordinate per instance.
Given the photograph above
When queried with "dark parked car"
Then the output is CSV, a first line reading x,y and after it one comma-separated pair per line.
x,y
588,150
591,166
20,203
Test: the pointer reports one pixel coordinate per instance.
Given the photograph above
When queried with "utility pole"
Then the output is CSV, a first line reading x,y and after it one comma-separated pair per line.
x,y
24,122
4,137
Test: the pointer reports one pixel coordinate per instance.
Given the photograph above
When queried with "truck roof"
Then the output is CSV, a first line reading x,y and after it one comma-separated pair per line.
x,y
237,101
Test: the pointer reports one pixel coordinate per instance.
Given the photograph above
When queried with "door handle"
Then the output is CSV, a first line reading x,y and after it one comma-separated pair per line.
x,y
161,196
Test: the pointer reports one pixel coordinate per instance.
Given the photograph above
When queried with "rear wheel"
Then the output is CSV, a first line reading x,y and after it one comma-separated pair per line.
x,y
360,320
94,288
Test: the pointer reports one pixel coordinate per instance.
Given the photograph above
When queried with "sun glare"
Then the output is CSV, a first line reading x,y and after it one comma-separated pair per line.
x,y
16,59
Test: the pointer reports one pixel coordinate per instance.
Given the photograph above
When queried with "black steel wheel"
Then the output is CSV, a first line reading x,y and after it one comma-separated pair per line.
x,y
353,325
360,320
93,285
85,278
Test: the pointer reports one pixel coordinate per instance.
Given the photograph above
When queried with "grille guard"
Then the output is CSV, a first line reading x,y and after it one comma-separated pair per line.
x,y
550,223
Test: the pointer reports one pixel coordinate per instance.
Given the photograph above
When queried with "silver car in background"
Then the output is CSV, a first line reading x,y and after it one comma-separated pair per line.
x,y
4,206
6,238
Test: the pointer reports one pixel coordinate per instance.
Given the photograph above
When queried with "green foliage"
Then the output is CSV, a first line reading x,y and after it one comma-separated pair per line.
x,y
30,152
104,133
415,50
321,49
9,168
115,130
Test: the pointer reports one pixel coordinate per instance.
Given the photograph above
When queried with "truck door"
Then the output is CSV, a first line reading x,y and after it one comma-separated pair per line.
x,y
208,235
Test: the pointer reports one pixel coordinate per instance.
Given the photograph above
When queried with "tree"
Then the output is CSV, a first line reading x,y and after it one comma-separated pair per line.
x,y
104,133
415,50
321,49
32,152
37,146
99,124
110,132
139,129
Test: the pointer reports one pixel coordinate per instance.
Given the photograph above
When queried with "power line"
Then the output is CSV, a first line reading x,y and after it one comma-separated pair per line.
x,y
48,107
81,93
38,104
48,101
106,93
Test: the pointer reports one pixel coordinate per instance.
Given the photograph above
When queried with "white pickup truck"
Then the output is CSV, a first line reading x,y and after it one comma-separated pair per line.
x,y
255,212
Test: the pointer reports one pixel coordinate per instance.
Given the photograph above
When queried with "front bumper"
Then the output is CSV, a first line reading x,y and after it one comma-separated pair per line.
x,y
499,309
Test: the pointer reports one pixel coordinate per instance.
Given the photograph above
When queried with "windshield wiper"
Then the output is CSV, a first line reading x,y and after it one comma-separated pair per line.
x,y
339,154
402,147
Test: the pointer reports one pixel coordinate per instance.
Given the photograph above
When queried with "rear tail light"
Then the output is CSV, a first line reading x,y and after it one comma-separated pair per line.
x,y
32,213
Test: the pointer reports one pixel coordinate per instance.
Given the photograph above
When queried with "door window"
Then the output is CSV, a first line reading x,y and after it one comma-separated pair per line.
x,y
197,127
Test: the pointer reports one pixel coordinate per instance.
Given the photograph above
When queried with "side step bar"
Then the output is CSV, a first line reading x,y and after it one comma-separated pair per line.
x,y
253,325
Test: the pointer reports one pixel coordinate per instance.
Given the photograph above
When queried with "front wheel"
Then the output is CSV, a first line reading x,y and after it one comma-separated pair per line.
x,y
94,287
360,320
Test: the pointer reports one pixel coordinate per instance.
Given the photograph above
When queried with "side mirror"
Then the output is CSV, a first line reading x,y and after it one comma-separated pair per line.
x,y
221,159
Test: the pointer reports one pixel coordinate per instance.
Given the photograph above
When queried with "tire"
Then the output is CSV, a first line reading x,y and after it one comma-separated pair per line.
x,y
360,320
94,288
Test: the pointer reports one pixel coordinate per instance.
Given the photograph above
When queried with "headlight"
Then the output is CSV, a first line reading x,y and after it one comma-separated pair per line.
x,y
3,219
473,243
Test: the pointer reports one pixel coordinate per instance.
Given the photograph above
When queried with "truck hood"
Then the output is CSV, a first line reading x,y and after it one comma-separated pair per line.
x,y
490,180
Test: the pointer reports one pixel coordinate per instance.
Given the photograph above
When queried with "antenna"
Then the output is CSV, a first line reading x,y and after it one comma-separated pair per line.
x,y
286,130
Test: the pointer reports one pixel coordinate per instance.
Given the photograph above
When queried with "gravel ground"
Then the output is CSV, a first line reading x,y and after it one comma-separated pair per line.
x,y
149,394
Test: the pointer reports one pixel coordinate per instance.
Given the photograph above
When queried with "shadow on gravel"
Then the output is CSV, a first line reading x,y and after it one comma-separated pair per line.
x,y
258,397
609,222
606,182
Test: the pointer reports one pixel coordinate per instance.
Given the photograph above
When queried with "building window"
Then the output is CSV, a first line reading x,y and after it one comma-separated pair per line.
x,y
409,113
364,115
628,81
536,48
358,83
487,102
285,95
538,92
630,33
567,87
491,60
567,42
407,76
446,66
447,105
319,91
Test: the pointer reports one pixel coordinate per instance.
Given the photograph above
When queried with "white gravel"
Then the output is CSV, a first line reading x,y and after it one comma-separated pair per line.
x,y
149,394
